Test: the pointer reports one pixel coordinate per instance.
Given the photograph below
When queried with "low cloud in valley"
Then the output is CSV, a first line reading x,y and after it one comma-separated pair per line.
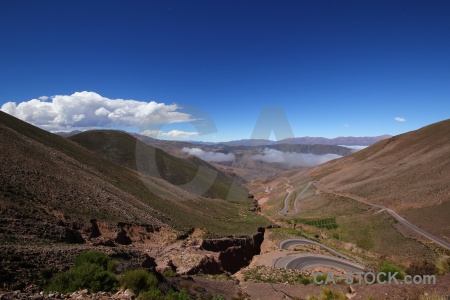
x,y
209,156
293,159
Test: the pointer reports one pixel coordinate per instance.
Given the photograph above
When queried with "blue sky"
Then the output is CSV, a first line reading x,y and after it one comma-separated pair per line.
x,y
337,68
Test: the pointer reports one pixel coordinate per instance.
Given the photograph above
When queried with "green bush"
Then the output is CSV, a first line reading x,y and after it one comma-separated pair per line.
x,y
91,270
320,278
305,280
422,268
156,294
170,273
138,280
152,294
328,294
389,268
181,295
85,276
97,258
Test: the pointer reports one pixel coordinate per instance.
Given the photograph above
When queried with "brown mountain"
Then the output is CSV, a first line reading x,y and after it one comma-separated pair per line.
x,y
124,149
51,183
408,173
58,199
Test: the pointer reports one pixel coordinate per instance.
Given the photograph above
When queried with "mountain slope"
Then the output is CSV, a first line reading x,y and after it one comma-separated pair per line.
x,y
49,182
316,149
123,148
408,173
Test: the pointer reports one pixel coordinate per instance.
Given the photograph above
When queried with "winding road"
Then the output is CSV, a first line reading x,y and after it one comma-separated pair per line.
x,y
307,260
286,244
393,214
297,210
301,261
285,209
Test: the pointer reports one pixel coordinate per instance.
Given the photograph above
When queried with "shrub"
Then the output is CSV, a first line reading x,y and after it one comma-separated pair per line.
x,y
152,294
138,280
320,278
97,258
181,295
422,268
328,294
443,265
85,276
305,280
91,270
170,273
389,268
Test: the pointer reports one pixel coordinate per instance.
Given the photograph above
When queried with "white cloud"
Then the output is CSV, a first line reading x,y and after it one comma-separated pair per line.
x,y
209,156
293,159
83,110
355,148
43,98
173,133
400,119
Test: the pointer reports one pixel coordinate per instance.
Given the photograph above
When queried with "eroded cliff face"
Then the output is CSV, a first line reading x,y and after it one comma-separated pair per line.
x,y
196,255
234,253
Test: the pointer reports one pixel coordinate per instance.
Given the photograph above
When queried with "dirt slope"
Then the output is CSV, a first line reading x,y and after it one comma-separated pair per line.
x,y
409,173
123,148
45,176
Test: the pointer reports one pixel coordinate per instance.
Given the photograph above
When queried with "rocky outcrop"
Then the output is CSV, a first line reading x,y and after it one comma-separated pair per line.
x,y
208,265
255,207
72,237
235,253
93,231
122,238
130,233
195,255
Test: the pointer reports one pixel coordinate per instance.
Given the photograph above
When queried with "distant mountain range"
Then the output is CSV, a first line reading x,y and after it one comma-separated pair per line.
x,y
281,156
68,133
342,140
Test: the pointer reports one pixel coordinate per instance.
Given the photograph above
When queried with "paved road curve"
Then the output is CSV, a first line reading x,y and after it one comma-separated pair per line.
x,y
286,244
285,210
297,210
394,214
301,261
